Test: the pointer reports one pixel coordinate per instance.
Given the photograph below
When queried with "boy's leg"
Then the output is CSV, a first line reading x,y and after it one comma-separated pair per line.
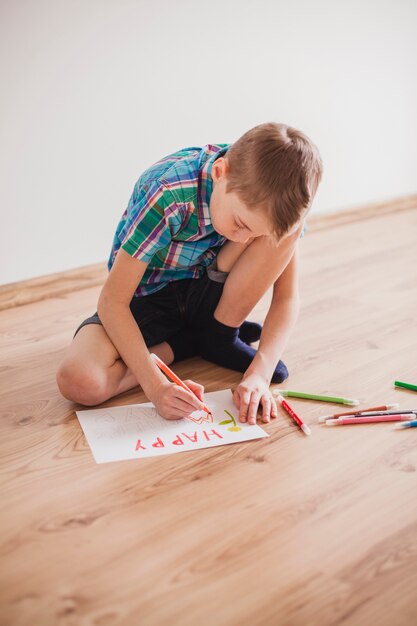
x,y
250,273
252,269
92,371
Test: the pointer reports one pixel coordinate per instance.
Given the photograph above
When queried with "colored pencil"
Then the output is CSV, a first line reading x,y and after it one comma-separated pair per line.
x,y
311,396
395,412
370,420
383,407
398,383
411,424
164,367
293,414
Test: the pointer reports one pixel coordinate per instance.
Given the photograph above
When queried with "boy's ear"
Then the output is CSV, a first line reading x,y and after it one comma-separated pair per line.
x,y
220,168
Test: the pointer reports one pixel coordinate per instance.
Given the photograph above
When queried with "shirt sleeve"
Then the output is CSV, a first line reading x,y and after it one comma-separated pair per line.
x,y
147,229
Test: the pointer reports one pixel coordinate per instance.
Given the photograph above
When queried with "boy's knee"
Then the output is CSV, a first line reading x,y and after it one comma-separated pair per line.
x,y
80,383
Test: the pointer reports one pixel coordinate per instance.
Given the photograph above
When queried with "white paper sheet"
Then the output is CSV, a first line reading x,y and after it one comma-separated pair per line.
x,y
136,431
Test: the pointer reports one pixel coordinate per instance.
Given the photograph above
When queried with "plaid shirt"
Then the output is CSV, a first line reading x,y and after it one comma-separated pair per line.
x,y
167,222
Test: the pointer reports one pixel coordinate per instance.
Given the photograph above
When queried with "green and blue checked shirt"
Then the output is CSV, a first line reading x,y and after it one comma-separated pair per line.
x,y
167,222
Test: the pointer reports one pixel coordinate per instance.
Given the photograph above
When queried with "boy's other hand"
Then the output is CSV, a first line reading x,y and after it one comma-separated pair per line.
x,y
253,393
173,402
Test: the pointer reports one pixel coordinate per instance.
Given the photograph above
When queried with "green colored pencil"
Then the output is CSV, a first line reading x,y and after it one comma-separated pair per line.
x,y
311,396
398,383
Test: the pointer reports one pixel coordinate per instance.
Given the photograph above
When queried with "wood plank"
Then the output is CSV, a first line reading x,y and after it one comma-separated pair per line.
x,y
52,285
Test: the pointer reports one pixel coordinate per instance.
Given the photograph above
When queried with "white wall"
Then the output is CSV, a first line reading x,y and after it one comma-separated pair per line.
x,y
94,91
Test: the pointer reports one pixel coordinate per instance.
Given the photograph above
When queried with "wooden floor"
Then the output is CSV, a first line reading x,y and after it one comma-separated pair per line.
x,y
285,531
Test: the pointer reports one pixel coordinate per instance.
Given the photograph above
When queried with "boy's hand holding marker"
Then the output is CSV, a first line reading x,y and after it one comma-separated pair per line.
x,y
180,398
174,402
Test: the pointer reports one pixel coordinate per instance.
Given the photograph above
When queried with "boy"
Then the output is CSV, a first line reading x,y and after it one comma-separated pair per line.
x,y
206,232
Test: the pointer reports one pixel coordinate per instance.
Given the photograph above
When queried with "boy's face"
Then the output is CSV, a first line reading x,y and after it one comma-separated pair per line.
x,y
230,217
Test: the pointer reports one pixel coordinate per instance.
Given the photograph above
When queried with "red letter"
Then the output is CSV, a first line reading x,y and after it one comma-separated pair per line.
x,y
192,438
139,446
207,435
178,441
158,443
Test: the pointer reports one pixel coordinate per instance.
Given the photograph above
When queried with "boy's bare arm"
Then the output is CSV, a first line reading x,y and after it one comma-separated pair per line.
x,y
279,321
170,399
119,323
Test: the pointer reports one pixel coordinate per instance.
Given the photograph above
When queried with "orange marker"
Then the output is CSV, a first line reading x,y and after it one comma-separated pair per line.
x,y
164,367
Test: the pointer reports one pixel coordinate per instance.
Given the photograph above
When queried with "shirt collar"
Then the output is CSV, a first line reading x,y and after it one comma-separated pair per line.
x,y
205,180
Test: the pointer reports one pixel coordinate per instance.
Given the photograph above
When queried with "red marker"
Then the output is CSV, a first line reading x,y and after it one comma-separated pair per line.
x,y
293,414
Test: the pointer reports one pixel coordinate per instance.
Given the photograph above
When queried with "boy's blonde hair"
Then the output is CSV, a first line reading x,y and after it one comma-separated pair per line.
x,y
276,168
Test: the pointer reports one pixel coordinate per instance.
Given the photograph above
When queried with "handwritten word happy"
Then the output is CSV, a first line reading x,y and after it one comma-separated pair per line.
x,y
180,440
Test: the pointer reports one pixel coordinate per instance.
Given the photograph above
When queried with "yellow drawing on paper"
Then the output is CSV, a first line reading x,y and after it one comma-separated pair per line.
x,y
235,427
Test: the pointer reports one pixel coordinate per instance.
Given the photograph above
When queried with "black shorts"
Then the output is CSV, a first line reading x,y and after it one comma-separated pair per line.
x,y
186,303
